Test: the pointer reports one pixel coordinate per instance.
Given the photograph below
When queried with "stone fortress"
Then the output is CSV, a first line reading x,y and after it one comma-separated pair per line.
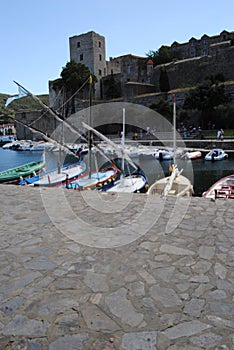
x,y
136,75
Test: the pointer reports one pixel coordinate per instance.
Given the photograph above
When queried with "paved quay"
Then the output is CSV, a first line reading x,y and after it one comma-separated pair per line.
x,y
84,270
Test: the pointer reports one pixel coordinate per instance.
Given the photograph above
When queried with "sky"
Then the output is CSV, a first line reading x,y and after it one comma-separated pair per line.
x,y
35,34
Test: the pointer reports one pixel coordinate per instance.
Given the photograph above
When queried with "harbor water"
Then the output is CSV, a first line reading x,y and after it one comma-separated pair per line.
x,y
201,173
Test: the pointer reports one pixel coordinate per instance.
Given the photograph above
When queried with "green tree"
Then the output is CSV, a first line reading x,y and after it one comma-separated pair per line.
x,y
74,75
163,55
163,107
205,97
112,88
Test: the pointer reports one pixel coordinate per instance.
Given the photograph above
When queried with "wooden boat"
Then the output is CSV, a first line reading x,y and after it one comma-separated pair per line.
x,y
98,180
223,188
216,154
174,185
16,174
58,177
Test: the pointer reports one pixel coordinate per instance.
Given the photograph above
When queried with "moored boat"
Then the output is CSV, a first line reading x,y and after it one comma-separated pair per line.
x,y
95,180
191,155
163,154
173,185
130,184
14,175
223,188
216,154
58,177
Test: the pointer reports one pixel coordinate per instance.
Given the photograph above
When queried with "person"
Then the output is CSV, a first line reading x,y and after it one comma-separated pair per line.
x,y
219,134
222,134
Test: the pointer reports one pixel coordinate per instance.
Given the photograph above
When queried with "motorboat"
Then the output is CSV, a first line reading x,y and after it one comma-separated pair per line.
x,y
163,154
223,188
191,155
216,154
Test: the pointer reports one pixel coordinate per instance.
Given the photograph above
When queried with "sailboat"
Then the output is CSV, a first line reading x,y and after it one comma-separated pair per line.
x,y
175,184
130,181
64,175
93,179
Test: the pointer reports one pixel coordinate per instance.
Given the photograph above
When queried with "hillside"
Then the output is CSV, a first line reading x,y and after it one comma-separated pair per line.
x,y
21,104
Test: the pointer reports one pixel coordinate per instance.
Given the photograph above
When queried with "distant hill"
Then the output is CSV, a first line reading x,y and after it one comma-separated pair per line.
x,y
21,104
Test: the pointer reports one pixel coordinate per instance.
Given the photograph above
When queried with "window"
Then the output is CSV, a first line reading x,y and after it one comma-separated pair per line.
x,y
129,69
78,44
100,72
99,44
81,57
100,57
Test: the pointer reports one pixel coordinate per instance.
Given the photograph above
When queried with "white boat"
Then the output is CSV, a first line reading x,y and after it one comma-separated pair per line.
x,y
41,145
175,184
223,188
191,155
58,177
216,154
163,154
130,184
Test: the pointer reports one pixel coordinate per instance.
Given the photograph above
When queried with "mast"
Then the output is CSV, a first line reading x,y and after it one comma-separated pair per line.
x,y
123,140
90,123
174,128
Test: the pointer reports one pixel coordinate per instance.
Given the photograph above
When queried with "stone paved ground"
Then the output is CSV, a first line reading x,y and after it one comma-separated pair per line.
x,y
96,272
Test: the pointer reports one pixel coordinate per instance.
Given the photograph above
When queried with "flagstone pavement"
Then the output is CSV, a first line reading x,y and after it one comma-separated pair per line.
x,y
126,272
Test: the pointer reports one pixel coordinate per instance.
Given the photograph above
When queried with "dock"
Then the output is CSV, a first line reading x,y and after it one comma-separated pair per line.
x,y
97,271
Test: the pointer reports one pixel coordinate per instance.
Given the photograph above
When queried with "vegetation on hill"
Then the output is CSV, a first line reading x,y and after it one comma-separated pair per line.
x,y
21,104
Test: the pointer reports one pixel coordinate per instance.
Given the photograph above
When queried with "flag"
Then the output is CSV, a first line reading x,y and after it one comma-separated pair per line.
x,y
22,93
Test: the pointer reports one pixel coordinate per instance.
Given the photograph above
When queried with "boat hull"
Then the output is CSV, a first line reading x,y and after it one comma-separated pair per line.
x,y
21,172
223,188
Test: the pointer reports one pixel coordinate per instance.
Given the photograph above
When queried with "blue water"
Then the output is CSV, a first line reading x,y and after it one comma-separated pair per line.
x,y
202,173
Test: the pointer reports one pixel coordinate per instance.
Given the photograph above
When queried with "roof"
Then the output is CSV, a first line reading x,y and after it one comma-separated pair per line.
x,y
150,61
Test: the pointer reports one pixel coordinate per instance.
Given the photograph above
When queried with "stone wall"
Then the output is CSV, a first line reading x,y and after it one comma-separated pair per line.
x,y
191,72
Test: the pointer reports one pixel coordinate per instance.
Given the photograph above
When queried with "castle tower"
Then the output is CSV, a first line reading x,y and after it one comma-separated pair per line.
x,y
89,49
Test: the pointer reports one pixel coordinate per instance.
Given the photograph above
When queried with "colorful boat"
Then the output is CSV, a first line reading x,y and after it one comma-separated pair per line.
x,y
16,174
58,177
223,188
96,180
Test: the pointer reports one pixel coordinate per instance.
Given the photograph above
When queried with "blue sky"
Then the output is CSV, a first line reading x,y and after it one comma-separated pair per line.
x,y
35,34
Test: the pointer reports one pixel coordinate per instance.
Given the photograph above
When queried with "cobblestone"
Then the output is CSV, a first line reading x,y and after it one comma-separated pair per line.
x,y
76,276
